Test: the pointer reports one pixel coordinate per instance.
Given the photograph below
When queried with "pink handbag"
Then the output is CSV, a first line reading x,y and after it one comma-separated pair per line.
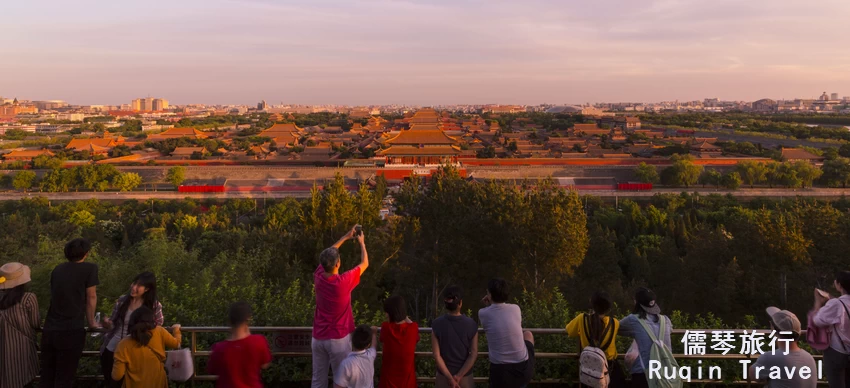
x,y
816,337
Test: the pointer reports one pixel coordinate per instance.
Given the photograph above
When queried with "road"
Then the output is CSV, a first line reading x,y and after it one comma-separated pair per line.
x,y
173,195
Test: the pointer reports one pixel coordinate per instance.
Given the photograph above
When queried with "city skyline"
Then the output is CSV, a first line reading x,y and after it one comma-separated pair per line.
x,y
423,53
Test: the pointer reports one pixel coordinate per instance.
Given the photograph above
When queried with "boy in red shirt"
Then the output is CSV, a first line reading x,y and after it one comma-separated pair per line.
x,y
238,360
399,336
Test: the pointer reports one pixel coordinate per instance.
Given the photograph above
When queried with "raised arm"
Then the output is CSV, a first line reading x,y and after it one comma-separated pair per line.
x,y
91,305
343,239
364,256
828,314
470,360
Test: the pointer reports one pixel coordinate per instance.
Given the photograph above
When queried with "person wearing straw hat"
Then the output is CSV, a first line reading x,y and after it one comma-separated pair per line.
x,y
18,321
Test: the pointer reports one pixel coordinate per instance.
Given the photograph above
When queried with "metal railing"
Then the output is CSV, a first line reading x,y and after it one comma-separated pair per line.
x,y
193,332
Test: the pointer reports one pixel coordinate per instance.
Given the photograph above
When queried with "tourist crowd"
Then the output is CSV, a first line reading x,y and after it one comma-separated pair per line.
x,y
134,347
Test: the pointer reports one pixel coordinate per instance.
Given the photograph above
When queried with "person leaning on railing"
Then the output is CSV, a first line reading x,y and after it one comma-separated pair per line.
x,y
511,349
18,322
598,329
140,358
649,312
333,321
142,293
73,300
834,314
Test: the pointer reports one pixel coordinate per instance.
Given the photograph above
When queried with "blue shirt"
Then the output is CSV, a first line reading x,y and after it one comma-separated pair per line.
x,y
631,327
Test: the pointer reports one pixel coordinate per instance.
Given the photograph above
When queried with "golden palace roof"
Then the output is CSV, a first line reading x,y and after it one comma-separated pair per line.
x,y
175,133
420,151
411,137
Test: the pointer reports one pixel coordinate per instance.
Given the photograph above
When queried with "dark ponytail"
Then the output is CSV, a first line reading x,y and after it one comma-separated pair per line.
x,y
141,325
601,304
596,330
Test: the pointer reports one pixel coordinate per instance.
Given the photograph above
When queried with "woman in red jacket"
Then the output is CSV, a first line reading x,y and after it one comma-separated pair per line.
x,y
399,336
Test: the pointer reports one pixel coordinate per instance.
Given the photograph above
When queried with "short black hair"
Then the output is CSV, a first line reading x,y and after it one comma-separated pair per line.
x,y
361,339
600,302
239,313
843,278
498,289
77,249
328,258
395,307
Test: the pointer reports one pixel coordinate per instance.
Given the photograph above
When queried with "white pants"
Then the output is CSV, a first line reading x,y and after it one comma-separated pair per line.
x,y
328,353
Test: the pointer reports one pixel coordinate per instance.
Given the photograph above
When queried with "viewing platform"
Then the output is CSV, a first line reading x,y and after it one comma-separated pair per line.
x,y
302,335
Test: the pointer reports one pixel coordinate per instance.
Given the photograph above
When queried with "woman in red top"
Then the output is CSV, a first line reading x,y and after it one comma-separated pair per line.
x,y
399,336
239,360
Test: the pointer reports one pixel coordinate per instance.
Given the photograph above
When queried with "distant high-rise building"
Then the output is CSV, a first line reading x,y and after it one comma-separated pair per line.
x,y
261,105
149,104
824,97
160,104
49,105
833,96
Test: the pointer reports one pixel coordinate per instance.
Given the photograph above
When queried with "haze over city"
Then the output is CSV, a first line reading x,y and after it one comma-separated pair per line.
x,y
423,52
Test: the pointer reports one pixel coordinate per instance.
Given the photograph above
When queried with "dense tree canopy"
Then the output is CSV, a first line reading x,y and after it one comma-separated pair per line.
x,y
708,257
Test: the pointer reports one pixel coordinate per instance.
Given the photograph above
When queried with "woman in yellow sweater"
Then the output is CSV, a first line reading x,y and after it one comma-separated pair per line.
x,y
140,358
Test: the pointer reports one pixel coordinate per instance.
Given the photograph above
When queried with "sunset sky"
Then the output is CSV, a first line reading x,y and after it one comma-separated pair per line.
x,y
422,52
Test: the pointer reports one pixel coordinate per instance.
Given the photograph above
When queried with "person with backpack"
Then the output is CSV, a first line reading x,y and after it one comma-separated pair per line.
x,y
454,341
597,333
140,358
833,314
651,332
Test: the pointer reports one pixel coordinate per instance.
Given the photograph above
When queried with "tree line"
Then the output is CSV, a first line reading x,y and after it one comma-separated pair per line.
x,y
91,177
791,175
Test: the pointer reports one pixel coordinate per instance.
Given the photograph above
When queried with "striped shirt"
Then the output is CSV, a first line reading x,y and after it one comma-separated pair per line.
x,y
18,357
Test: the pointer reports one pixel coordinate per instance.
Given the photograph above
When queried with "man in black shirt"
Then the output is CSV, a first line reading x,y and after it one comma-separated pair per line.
x,y
73,299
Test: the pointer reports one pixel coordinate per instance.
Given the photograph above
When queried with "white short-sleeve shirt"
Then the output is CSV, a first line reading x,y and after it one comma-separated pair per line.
x,y
357,370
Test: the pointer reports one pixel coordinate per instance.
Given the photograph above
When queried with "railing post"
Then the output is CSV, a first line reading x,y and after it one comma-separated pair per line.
x,y
194,359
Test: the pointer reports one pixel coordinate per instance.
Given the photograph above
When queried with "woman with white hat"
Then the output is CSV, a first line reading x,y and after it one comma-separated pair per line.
x,y
18,321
